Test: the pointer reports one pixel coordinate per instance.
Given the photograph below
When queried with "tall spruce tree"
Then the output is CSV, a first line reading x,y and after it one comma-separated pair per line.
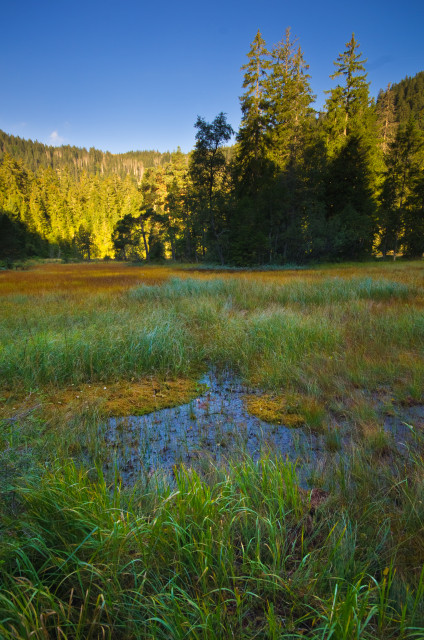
x,y
288,97
350,203
401,189
252,135
252,171
290,116
354,162
176,228
348,103
409,99
386,117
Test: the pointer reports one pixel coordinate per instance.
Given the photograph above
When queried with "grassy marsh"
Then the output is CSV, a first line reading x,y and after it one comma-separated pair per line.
x,y
240,551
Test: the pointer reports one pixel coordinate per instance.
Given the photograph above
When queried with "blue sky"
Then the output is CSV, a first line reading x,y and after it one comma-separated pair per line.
x,y
129,75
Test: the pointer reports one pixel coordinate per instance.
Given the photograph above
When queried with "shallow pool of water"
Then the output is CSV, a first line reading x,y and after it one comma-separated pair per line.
x,y
215,427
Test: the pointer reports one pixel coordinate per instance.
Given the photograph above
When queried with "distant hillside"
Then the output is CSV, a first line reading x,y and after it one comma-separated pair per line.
x,y
408,99
36,155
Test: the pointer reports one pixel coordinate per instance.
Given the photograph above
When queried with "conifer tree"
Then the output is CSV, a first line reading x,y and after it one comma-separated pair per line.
x,y
350,126
288,98
350,203
126,238
386,117
252,136
401,187
252,168
208,172
348,103
290,116
84,241
409,99
15,186
176,222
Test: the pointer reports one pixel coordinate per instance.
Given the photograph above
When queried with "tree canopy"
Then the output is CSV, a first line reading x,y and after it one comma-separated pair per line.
x,y
297,185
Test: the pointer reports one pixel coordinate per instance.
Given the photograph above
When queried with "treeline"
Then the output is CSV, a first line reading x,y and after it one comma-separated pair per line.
x,y
53,213
36,155
408,99
345,183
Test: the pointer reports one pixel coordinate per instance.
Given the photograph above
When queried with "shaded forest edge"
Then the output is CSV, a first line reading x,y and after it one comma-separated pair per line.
x,y
297,186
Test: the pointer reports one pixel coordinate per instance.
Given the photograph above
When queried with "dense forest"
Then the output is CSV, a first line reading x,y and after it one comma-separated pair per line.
x,y
298,185
36,155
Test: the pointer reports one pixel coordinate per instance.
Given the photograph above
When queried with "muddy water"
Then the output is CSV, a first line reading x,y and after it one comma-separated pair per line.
x,y
213,427
216,427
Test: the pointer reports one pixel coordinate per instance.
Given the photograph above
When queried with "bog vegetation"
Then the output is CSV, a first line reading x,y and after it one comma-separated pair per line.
x,y
242,549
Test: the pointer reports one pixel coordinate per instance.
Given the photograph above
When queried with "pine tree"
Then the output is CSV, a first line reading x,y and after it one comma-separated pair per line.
x,y
409,99
355,160
84,242
176,225
252,169
350,203
126,238
208,173
252,141
404,163
386,117
290,117
288,98
348,103
15,186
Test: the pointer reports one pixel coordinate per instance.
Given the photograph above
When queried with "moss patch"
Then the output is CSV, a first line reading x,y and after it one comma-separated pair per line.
x,y
274,409
291,410
116,399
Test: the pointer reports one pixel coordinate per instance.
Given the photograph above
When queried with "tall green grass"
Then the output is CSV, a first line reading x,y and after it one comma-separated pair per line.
x,y
242,554
250,292
265,332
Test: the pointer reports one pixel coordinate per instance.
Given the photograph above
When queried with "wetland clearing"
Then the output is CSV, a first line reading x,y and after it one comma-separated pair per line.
x,y
203,453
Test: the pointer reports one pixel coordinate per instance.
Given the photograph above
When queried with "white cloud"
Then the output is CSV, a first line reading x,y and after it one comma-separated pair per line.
x,y
55,138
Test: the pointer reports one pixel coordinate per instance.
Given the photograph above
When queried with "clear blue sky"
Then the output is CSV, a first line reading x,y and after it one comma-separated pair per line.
x,y
130,75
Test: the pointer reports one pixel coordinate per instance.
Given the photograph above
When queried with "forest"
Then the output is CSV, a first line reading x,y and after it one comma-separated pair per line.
x,y
297,186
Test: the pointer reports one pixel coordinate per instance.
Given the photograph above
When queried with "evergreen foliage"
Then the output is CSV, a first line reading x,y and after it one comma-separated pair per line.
x,y
348,103
36,155
408,99
297,186
402,201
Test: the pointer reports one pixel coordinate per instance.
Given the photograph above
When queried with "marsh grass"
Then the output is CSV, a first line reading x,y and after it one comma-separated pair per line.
x,y
311,334
238,551
245,554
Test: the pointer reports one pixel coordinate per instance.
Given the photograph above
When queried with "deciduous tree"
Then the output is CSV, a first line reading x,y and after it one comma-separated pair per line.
x,y
207,172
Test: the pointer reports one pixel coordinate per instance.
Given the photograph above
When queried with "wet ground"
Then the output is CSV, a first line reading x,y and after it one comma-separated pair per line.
x,y
216,427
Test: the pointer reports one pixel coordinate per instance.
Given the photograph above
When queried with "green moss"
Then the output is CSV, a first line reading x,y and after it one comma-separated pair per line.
x,y
290,410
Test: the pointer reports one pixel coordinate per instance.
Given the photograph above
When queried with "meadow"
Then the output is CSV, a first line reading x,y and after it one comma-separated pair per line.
x,y
236,550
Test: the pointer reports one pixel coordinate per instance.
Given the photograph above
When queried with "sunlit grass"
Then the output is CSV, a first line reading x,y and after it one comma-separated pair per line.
x,y
322,336
88,278
241,551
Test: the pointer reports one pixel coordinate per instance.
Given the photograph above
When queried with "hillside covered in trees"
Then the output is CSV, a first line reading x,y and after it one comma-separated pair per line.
x,y
298,185
36,155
